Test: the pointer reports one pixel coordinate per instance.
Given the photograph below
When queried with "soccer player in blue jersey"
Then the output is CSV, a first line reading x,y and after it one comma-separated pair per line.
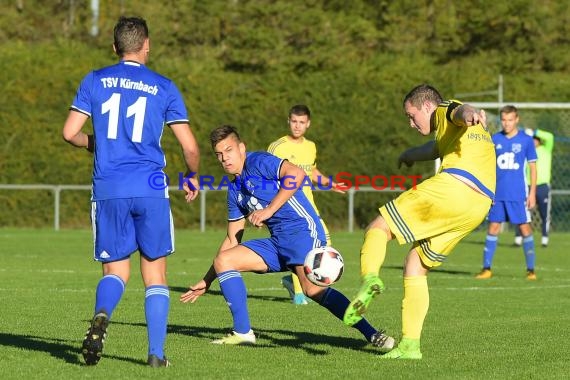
x,y
266,191
512,202
435,215
130,210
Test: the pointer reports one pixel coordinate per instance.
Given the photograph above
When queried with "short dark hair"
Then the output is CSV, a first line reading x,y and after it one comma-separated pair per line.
x,y
422,93
509,109
129,35
221,132
300,110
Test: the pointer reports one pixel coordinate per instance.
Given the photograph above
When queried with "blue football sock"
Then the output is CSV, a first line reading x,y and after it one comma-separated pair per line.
x,y
336,302
529,255
109,292
235,294
489,250
157,300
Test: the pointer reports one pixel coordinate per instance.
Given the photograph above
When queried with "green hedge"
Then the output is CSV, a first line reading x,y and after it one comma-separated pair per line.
x,y
246,62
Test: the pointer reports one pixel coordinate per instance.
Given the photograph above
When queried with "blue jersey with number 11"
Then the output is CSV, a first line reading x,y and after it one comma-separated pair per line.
x,y
129,105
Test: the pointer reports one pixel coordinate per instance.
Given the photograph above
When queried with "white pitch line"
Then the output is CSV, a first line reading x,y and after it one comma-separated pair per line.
x,y
519,288
280,289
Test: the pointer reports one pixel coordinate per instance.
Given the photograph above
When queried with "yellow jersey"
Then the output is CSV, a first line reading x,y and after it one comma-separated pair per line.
x,y
303,154
465,151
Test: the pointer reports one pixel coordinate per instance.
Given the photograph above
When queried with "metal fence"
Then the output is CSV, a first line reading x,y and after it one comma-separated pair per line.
x,y
559,197
57,191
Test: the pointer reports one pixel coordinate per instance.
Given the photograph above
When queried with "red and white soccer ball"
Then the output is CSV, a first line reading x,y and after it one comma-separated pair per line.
x,y
323,266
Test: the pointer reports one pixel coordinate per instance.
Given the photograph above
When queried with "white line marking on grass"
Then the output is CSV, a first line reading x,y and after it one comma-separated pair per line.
x,y
273,289
62,290
519,288
71,271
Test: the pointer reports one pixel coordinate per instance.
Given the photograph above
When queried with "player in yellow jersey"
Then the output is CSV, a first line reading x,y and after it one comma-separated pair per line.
x,y
435,215
302,152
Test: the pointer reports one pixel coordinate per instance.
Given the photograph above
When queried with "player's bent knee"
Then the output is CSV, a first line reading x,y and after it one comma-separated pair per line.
x,y
414,266
380,223
222,262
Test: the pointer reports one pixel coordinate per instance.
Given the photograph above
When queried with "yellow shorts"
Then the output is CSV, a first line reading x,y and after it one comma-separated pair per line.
x,y
435,216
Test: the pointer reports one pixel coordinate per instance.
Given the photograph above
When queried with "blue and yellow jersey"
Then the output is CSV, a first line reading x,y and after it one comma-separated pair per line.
x,y
465,151
303,154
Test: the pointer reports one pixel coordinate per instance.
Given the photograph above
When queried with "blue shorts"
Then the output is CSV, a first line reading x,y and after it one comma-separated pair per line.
x,y
505,211
122,226
282,253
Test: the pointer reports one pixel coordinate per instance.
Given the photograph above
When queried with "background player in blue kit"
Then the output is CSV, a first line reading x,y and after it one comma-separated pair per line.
x,y
129,106
544,144
266,191
512,202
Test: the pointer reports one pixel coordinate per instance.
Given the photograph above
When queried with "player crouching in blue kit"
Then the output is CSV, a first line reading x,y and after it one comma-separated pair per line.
x,y
265,192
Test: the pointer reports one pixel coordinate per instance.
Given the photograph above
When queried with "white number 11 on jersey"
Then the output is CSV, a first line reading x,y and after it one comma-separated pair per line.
x,y
137,109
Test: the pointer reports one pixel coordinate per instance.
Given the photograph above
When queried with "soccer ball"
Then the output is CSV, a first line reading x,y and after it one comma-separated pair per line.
x,y
323,266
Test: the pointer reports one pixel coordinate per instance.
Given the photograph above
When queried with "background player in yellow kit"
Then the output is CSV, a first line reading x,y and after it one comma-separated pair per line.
x,y
302,152
435,215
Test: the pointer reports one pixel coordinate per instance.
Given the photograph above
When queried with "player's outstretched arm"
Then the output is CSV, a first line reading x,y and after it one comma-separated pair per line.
x,y
199,288
233,237
468,116
319,178
425,152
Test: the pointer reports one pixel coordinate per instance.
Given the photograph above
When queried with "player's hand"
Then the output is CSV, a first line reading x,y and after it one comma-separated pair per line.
x,y
335,187
194,292
531,201
191,191
404,159
474,117
257,217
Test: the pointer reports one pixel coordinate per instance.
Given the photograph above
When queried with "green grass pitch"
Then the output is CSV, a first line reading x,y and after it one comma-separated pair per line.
x,y
503,328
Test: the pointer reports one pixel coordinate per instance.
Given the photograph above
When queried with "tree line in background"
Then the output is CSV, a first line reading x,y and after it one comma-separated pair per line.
x,y
246,62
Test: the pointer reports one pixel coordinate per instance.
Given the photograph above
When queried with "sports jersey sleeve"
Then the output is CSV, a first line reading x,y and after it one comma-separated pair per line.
x,y
82,100
531,152
271,147
314,153
276,146
176,111
234,211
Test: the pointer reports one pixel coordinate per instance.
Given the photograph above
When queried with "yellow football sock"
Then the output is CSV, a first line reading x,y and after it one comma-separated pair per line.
x,y
296,284
415,306
373,251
